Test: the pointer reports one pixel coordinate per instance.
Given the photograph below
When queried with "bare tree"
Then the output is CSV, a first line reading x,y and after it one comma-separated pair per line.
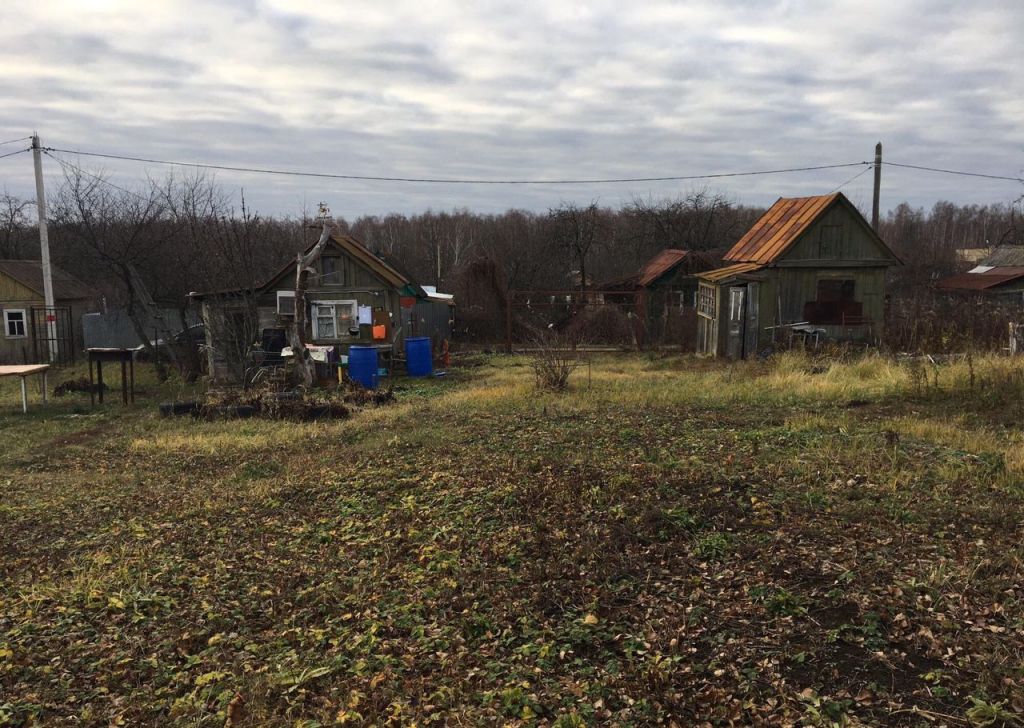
x,y
16,239
303,267
578,230
121,233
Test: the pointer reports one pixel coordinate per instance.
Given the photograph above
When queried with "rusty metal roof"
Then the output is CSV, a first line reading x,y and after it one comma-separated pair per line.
x,y
981,281
720,274
29,273
661,264
779,228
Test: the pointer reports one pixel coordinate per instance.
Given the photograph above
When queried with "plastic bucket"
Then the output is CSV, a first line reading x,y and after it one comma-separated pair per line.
x,y
419,361
362,365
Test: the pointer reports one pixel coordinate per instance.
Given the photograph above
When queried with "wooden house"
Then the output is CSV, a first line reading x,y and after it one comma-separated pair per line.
x,y
26,335
810,266
353,297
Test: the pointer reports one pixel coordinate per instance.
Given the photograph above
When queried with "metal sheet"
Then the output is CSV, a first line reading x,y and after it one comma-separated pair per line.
x,y
779,228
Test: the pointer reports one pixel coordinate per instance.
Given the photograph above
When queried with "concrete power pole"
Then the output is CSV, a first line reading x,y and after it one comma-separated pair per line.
x,y
44,249
878,186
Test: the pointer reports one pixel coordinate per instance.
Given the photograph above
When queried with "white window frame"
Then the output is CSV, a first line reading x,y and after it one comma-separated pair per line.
x,y
334,304
285,294
707,304
24,323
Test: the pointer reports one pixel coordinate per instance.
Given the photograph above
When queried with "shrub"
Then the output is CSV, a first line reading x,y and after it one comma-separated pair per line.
x,y
552,364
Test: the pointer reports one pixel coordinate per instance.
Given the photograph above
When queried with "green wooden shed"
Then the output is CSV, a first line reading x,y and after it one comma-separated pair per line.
x,y
810,266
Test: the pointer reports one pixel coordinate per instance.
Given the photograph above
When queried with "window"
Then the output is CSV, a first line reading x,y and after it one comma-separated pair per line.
x,y
334,319
332,270
14,323
706,301
286,303
836,303
737,297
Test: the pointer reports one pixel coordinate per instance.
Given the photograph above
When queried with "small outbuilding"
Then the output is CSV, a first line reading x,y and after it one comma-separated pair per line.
x,y
664,288
810,266
353,298
999,276
31,332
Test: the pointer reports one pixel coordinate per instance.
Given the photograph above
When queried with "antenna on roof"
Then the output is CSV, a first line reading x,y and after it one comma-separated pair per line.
x,y
323,211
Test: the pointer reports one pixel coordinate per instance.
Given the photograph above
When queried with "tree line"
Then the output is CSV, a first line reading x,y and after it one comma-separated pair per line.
x,y
160,240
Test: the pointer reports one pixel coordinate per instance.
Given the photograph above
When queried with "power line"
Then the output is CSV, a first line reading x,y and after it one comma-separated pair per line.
x,y
863,171
11,141
11,154
954,171
65,164
434,180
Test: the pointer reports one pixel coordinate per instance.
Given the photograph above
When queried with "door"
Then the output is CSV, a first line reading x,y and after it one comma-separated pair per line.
x,y
751,334
736,322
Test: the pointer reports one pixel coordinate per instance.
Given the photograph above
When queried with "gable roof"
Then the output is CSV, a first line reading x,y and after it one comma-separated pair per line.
x,y
661,264
346,243
778,229
1005,255
29,273
358,251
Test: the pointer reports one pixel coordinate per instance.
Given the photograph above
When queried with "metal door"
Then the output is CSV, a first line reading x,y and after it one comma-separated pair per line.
x,y
52,335
737,322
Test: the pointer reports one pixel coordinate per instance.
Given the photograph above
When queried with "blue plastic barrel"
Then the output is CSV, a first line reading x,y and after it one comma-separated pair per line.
x,y
419,361
362,365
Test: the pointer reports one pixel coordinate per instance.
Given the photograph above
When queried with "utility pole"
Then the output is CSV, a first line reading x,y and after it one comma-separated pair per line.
x,y
878,186
50,313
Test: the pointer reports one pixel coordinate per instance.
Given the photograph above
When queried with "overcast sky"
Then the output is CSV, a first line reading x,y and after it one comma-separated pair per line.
x,y
521,90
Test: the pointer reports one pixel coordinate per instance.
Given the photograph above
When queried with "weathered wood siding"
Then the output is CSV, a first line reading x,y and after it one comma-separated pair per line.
x,y
837,238
339,277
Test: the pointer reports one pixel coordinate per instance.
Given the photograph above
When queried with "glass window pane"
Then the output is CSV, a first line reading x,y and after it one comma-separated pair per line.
x,y
325,327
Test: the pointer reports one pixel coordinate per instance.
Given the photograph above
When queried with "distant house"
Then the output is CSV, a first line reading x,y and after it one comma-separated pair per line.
x,y
26,335
665,284
998,275
353,298
811,265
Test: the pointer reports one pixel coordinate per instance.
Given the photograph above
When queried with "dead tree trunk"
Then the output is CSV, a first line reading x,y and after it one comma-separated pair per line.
x,y
297,334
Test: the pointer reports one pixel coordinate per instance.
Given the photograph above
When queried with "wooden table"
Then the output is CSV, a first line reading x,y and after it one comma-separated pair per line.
x,y
24,371
127,359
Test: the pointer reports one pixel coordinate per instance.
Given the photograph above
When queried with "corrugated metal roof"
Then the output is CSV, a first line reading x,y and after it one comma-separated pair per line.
x,y
779,228
661,264
721,274
29,273
982,281
1006,255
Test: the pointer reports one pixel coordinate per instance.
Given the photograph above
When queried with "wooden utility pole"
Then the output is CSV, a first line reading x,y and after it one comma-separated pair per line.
x,y
50,313
878,186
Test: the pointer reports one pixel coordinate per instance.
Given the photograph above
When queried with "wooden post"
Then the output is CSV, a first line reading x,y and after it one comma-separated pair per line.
x,y
99,378
124,382
24,397
92,388
878,186
641,319
508,322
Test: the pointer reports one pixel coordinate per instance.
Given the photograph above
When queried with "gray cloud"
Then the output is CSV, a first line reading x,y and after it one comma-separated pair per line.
x,y
523,90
